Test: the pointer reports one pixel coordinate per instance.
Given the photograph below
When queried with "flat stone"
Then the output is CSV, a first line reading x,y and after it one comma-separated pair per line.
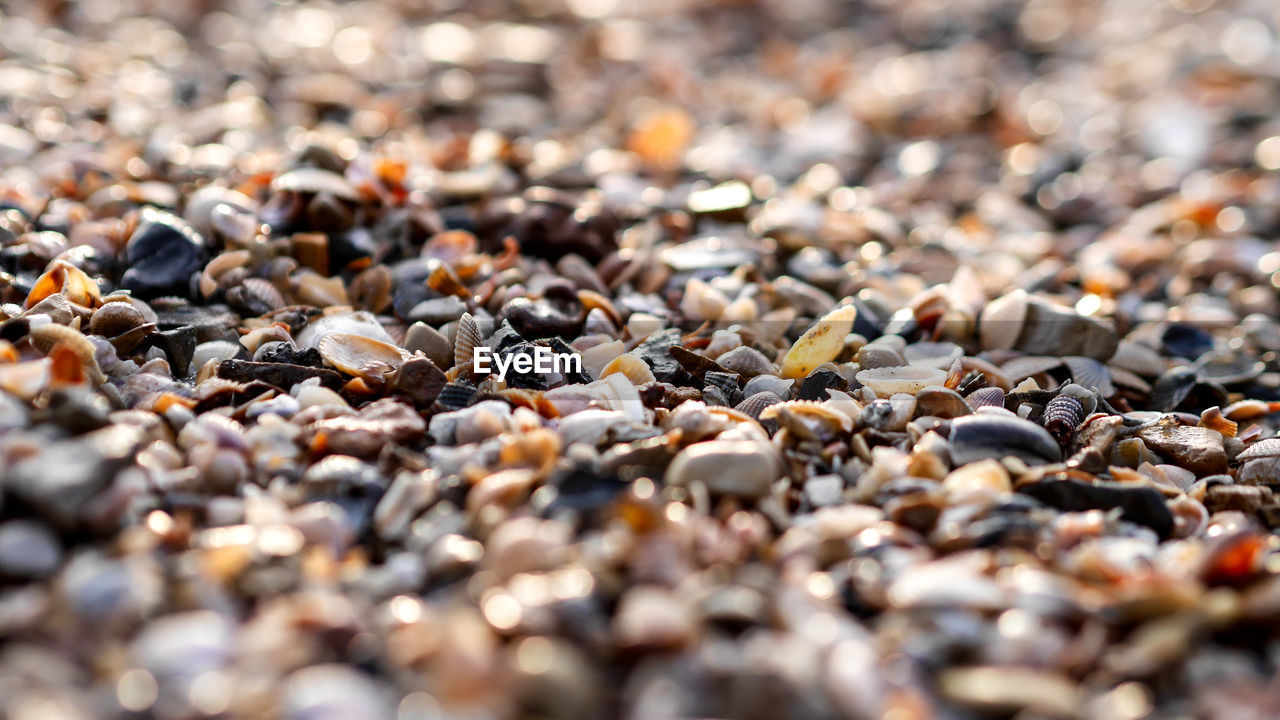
x,y
1197,449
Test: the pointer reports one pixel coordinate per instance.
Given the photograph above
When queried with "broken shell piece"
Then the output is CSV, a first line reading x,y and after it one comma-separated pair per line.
x,y
886,381
820,343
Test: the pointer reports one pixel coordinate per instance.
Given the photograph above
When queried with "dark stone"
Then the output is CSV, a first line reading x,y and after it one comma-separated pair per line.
x,y
691,362
211,322
179,345
582,490
163,254
1187,341
542,318
421,380
815,386
1140,505
978,437
280,375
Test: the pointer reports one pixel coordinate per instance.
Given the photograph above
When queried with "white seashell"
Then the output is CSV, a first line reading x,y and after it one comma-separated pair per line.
x,y
907,379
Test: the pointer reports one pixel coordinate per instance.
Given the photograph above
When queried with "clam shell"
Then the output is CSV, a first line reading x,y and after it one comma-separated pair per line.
x,y
1091,374
631,367
1138,358
1028,365
907,379
820,343
1229,369
747,362
1171,389
941,402
115,318
1263,448
361,356
597,357
1001,321
986,397
468,337
932,354
757,403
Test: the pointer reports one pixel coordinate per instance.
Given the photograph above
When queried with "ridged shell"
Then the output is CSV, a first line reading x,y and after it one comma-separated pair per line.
x,y
1028,365
1128,379
1138,358
911,380
757,403
986,397
631,367
72,282
115,318
820,343
1091,374
1171,389
360,356
726,382
1263,448
1062,416
465,343
456,395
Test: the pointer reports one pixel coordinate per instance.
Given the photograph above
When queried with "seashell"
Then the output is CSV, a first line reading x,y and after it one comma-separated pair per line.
x,y
889,414
911,380
361,356
1213,419
45,337
878,355
1026,366
456,395
938,355
809,420
1250,409
757,403
727,467
726,382
1227,369
1090,373
115,318
985,397
746,362
942,402
25,380
701,302
1062,416
371,289
1260,471
344,320
630,366
1017,321
1128,379
712,395
1138,358
314,181
772,383
464,344
597,357
68,280
1171,389
820,343
1269,447
996,436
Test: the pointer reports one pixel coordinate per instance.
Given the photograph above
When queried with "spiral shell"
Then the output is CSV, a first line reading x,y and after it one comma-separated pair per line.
x,y
1062,415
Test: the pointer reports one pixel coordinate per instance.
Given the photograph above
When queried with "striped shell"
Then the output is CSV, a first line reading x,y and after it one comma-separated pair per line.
x,y
1090,373
757,403
468,337
1138,358
456,395
985,397
1062,415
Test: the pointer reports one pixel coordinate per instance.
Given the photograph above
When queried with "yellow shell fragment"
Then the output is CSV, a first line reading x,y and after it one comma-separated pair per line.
x,y
361,356
820,343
